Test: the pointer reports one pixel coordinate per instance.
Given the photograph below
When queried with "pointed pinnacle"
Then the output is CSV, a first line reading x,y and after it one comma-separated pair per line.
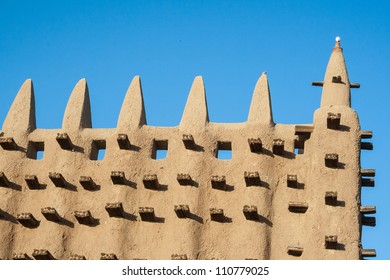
x,y
78,110
261,108
132,114
195,112
336,86
21,116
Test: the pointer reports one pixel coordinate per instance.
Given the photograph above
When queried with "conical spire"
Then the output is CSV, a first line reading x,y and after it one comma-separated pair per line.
x,y
78,111
196,113
21,116
336,87
132,114
261,108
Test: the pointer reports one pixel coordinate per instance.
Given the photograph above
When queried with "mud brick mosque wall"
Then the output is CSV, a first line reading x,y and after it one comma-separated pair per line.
x,y
288,192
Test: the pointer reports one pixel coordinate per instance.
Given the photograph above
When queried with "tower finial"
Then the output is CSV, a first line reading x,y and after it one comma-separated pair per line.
x,y
337,45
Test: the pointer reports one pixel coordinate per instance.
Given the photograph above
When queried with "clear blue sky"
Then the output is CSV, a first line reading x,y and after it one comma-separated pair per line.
x,y
229,43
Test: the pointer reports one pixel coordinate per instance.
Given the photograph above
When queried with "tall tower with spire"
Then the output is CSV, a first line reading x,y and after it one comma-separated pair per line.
x,y
287,192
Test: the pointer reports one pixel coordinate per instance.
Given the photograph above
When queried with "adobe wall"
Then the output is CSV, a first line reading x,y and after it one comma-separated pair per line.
x,y
292,218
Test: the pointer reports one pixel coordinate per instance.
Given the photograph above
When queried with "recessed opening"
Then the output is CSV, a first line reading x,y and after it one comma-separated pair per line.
x,y
35,150
39,155
299,143
101,154
159,149
298,151
224,150
161,154
98,149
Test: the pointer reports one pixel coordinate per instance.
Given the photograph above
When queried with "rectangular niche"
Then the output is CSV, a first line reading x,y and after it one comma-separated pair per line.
x,y
159,149
35,150
223,150
98,150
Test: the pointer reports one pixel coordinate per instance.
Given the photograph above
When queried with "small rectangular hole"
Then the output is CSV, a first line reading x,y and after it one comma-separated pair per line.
x,y
101,154
298,151
39,155
299,142
161,154
35,150
224,150
98,149
159,149
225,154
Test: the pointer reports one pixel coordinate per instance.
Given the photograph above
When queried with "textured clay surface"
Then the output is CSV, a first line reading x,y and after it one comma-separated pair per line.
x,y
267,202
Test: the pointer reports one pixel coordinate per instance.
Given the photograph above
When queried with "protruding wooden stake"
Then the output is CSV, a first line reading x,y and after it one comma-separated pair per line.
x,y
354,85
51,214
64,141
252,178
367,209
84,217
331,198
182,211
331,242
331,160
32,182
366,134
218,182
367,172
250,212
292,181
255,145
278,147
115,209
368,221
298,207
333,120
75,257
368,182
295,251
42,254
189,141
147,214
4,180
118,177
57,179
87,183
317,84
123,142
21,256
151,182
184,179
27,220
368,253
178,257
8,144
366,146
217,215
108,257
